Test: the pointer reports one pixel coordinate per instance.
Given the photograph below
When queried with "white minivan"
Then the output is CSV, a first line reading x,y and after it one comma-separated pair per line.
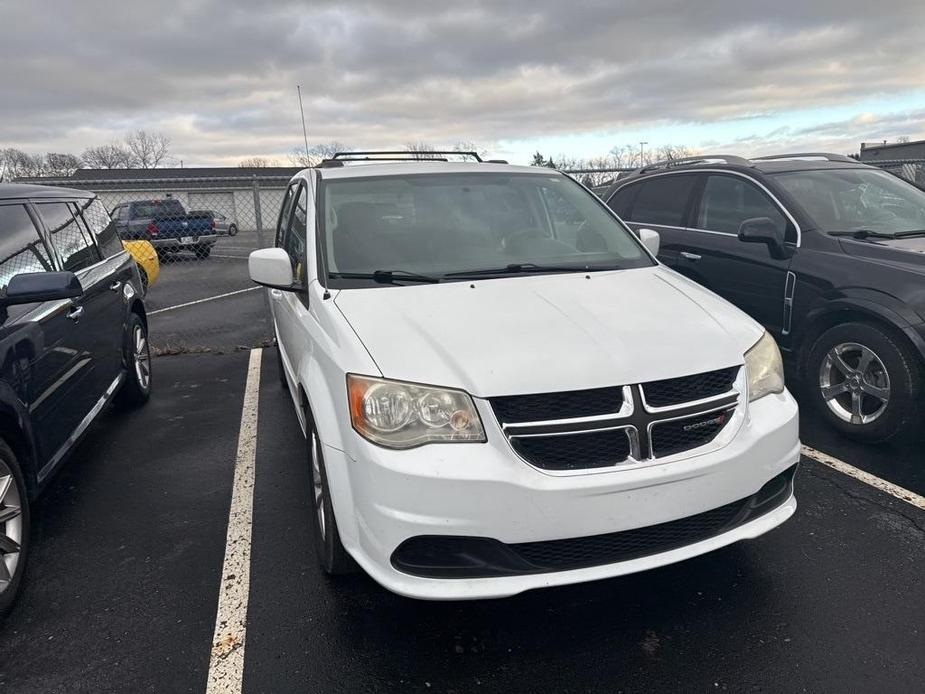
x,y
502,389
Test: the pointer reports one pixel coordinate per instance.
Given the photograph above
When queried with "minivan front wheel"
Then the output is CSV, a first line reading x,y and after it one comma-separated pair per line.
x,y
864,381
332,556
14,527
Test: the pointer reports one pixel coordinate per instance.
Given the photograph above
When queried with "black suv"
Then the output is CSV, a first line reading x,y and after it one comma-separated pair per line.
x,y
826,252
73,336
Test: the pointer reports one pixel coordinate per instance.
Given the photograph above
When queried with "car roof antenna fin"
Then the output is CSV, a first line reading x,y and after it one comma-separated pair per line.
x,y
324,256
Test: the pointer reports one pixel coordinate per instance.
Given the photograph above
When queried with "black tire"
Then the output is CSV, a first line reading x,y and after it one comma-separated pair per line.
x,y
332,556
16,496
203,252
894,365
232,230
136,389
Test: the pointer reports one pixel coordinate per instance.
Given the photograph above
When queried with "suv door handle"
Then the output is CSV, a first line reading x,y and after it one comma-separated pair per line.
x,y
116,286
690,256
75,313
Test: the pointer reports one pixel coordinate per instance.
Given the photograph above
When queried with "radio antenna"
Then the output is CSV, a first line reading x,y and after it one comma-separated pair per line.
x,y
298,89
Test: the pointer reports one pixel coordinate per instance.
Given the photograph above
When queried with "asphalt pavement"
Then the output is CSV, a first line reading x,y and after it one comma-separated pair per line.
x,y
209,305
129,540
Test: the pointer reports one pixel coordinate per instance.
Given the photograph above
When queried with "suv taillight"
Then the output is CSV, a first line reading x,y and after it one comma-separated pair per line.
x,y
153,230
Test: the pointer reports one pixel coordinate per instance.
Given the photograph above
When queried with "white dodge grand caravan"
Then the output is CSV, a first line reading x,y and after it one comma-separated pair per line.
x,y
502,389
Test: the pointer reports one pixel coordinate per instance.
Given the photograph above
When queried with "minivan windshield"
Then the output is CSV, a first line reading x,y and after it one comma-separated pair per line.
x,y
857,200
461,225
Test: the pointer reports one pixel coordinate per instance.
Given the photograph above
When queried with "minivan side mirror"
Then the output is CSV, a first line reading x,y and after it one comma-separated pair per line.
x,y
272,268
764,230
33,287
651,240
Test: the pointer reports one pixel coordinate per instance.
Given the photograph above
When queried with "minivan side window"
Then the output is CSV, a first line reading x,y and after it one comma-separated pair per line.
x,y
21,248
74,245
294,241
730,200
284,211
101,226
663,200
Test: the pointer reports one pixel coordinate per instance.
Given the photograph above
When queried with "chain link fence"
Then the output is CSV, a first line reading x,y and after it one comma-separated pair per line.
x,y
191,237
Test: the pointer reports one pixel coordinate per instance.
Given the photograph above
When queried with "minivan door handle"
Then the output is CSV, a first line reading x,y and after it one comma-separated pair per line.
x,y
276,294
116,286
690,256
75,313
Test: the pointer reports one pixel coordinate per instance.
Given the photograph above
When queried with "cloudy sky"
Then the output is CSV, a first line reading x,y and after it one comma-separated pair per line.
x,y
575,77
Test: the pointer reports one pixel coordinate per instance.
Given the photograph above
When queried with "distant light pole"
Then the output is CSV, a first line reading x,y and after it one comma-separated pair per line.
x,y
641,160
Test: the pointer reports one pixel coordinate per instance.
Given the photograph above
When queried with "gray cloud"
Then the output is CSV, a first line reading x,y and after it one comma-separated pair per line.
x,y
219,75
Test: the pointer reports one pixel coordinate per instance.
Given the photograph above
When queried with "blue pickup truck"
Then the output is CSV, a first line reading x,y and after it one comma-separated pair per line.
x,y
168,226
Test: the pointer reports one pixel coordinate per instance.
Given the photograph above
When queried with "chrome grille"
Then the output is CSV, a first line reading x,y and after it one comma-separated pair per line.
x,y
606,427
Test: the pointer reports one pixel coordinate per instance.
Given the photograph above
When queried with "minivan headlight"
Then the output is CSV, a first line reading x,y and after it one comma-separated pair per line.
x,y
764,368
397,414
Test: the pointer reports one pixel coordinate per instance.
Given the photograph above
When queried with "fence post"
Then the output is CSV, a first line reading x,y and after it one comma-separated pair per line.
x,y
258,217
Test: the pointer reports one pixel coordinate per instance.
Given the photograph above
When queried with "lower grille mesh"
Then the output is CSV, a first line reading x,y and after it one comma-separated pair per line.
x,y
605,549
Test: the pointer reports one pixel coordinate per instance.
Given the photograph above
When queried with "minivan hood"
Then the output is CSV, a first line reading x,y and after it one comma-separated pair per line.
x,y
544,333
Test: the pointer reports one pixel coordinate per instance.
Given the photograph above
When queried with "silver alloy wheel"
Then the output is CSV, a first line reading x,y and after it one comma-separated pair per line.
x,y
317,486
854,383
10,526
141,355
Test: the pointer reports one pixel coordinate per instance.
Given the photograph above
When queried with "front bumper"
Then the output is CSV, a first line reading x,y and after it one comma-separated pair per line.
x,y
382,498
177,244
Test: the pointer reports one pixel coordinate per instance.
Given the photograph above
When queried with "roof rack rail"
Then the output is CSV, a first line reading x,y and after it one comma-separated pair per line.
x,y
808,155
701,159
402,155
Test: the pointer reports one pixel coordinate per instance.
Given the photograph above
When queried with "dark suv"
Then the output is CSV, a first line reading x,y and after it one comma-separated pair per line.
x,y
73,336
828,253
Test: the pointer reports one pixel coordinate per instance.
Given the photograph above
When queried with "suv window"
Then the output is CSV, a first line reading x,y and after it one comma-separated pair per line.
x,y
730,200
102,227
294,242
622,200
75,246
663,200
21,248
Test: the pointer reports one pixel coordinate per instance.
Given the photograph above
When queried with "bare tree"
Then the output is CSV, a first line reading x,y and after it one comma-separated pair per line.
x,y
421,150
60,164
257,163
468,146
111,156
148,149
316,153
18,164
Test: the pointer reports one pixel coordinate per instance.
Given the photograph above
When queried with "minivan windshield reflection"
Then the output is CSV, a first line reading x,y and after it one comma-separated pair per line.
x,y
858,200
451,226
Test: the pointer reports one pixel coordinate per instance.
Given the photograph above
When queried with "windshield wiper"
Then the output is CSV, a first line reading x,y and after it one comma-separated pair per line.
x,y
520,268
863,234
386,276
911,232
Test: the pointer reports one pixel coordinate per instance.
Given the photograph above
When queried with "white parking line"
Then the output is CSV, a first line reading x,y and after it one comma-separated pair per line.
x,y
236,257
201,301
865,477
226,665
